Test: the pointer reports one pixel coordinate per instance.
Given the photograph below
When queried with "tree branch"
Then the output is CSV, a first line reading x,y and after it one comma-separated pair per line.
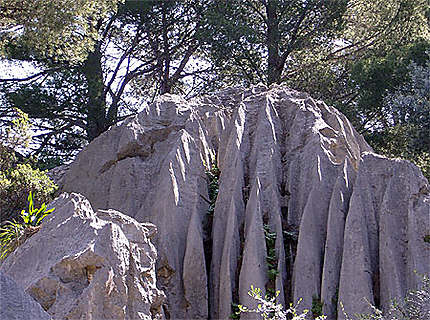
x,y
34,76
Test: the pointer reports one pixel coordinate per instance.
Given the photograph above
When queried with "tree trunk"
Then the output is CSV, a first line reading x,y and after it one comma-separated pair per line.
x,y
97,121
274,68
165,86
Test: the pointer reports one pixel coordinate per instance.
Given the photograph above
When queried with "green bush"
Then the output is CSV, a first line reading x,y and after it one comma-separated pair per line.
x,y
212,177
268,309
17,176
14,233
317,306
271,260
16,183
415,306
10,236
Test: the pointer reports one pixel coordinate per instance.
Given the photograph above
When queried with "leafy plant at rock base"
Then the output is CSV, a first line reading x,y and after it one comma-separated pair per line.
x,y
415,306
17,175
212,175
268,309
235,314
271,258
271,261
14,233
34,216
9,238
15,185
317,306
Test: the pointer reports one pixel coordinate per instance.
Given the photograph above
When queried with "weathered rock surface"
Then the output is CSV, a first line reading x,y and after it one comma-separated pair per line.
x,y
15,304
349,225
56,174
89,265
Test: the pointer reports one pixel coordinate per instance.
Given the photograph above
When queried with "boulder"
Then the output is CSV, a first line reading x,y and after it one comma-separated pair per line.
x,y
348,225
88,265
15,304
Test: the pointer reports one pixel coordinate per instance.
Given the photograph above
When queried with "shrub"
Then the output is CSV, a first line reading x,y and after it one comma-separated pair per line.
x,y
212,177
14,233
17,176
16,183
317,306
415,306
268,309
10,236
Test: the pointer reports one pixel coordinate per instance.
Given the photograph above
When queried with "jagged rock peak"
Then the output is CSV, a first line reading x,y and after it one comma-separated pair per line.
x,y
345,224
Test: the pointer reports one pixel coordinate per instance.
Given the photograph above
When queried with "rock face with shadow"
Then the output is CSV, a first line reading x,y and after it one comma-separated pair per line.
x,y
16,304
88,265
346,224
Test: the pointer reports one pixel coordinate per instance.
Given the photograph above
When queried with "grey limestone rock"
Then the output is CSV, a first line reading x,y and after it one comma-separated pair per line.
x,y
88,265
57,173
15,304
349,224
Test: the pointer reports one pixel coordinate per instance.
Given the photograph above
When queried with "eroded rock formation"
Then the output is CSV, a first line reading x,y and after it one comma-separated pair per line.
x,y
88,265
348,225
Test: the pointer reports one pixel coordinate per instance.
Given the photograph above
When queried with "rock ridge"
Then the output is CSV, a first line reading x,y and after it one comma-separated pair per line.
x,y
349,224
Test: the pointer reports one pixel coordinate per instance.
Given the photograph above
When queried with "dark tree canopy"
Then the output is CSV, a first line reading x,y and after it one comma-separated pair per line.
x,y
108,58
256,40
142,49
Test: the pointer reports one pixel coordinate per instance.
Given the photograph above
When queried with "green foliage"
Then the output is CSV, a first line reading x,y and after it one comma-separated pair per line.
x,y
271,258
9,238
235,311
427,238
415,306
60,101
256,41
14,136
422,160
85,88
381,39
60,29
391,106
395,142
382,24
375,75
408,107
11,234
16,183
291,235
17,177
212,175
350,53
317,306
34,216
268,309
18,133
